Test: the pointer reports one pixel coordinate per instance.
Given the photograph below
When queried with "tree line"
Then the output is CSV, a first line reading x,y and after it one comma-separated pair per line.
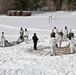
x,y
49,5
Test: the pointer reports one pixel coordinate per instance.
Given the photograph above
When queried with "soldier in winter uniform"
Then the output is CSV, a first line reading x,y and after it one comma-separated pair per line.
x,y
26,35
52,33
55,30
53,44
71,34
71,42
60,38
21,33
21,38
2,40
56,33
65,33
35,39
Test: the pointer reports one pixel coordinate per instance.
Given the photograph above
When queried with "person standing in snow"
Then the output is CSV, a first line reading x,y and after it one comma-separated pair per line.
x,y
56,33
60,38
65,33
26,35
71,42
56,30
53,45
21,32
35,39
2,40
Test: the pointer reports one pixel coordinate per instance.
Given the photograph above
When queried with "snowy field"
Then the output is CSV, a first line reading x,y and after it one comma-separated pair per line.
x,y
21,59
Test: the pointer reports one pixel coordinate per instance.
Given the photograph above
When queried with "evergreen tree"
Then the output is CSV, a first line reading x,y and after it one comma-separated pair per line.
x,y
21,4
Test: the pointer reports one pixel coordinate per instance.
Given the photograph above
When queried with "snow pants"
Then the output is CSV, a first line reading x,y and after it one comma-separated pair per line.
x,y
65,36
72,48
2,43
26,39
60,42
53,50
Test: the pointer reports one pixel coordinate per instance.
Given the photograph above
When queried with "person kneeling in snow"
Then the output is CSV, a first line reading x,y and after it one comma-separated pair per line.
x,y
21,37
53,45
35,39
26,36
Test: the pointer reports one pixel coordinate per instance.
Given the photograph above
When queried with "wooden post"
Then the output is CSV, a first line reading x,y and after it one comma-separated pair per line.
x,y
50,18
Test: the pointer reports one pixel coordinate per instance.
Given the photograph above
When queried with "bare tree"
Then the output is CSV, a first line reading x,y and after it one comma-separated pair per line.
x,y
6,5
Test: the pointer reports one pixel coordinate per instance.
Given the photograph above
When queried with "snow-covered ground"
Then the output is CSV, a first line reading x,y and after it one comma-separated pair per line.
x,y
21,59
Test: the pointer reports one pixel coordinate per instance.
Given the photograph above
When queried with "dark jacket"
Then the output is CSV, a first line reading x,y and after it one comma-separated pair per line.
x,y
35,38
70,35
52,34
61,33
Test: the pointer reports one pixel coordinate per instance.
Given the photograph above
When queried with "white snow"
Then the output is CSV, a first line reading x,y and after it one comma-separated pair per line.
x,y
21,59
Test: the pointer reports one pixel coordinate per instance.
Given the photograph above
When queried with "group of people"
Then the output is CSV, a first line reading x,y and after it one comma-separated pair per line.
x,y
57,37
23,37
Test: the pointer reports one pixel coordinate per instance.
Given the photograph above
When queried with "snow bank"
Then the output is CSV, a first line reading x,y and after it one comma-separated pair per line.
x,y
18,61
